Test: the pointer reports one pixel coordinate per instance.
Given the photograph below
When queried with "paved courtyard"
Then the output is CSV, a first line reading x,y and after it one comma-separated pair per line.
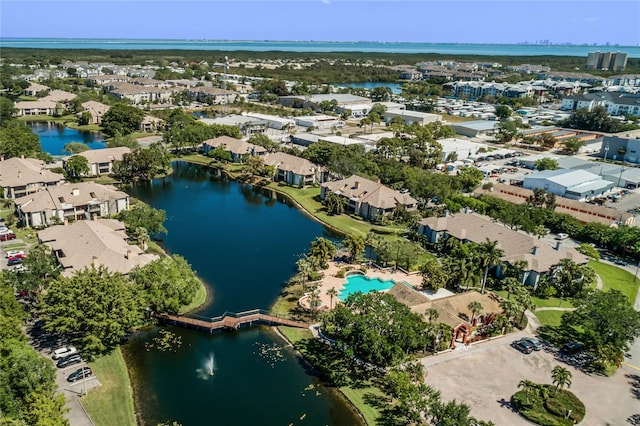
x,y
485,375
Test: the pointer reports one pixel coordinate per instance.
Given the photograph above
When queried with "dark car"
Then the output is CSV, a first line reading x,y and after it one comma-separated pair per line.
x,y
572,348
14,261
69,360
537,344
80,373
523,346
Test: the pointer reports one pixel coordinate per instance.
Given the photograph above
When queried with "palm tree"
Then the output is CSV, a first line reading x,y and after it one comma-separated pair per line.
x,y
320,250
489,255
528,387
475,308
141,235
372,240
332,292
304,269
355,244
432,314
314,302
510,308
561,377
502,322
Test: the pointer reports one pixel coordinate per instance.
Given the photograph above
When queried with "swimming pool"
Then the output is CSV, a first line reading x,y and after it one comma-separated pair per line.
x,y
363,284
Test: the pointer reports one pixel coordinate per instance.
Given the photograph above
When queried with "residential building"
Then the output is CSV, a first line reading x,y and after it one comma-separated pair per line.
x,y
23,176
616,103
342,101
472,227
101,160
139,94
34,89
150,123
368,199
294,170
96,110
40,107
55,204
238,149
211,95
91,244
574,184
608,61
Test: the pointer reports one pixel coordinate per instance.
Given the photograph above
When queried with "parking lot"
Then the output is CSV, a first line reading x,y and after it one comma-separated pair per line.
x,y
46,343
484,376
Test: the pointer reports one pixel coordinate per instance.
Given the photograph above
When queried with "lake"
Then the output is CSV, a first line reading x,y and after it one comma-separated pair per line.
x,y
53,137
244,245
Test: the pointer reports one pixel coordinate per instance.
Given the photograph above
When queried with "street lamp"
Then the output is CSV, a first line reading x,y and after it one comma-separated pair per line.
x,y
606,151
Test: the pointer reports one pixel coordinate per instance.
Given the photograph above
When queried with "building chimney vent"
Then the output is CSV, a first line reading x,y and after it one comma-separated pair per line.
x,y
19,174
127,255
65,221
357,185
535,250
94,261
75,192
558,245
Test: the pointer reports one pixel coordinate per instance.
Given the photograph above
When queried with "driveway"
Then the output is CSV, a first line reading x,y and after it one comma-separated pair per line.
x,y
484,376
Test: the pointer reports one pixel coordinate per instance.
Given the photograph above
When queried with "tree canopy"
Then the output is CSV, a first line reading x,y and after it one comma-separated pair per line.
x,y
95,308
141,215
121,119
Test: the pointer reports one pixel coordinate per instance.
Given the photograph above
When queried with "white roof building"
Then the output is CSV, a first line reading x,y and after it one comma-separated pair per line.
x,y
571,183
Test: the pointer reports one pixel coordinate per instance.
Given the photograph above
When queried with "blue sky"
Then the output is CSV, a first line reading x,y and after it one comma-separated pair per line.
x,y
507,21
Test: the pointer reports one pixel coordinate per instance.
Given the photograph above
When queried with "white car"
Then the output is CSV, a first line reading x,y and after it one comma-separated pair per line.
x,y
64,351
12,253
562,236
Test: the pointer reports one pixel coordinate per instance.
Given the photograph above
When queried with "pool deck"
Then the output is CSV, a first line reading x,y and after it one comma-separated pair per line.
x,y
331,281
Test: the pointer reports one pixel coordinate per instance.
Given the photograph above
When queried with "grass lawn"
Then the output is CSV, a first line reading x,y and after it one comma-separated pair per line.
x,y
552,302
111,403
550,318
617,279
456,118
85,128
355,396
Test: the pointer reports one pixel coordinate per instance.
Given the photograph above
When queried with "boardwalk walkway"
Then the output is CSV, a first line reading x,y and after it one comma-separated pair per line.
x,y
230,320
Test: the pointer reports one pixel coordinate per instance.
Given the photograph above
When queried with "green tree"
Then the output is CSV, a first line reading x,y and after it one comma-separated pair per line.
x,y
475,308
607,320
40,268
121,119
95,308
263,140
129,141
355,244
572,145
17,139
7,110
546,164
597,119
332,292
528,387
76,167
142,215
167,283
433,276
141,164
335,204
503,112
561,377
507,130
76,147
305,268
321,250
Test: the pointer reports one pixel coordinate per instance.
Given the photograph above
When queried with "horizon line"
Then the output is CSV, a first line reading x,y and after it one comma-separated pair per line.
x,y
206,40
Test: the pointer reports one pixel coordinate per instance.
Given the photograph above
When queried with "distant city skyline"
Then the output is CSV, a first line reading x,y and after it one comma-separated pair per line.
x,y
500,22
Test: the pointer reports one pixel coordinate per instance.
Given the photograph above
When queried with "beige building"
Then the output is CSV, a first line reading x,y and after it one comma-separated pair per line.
x,y
96,109
23,176
472,227
294,170
367,198
78,201
238,149
93,243
34,89
41,107
101,160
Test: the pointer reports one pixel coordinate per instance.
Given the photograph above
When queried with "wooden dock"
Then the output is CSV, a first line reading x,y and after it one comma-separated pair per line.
x,y
230,320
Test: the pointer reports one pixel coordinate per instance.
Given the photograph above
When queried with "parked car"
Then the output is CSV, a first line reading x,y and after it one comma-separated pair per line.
x,y
7,236
69,360
12,253
80,373
535,343
572,348
14,261
64,351
562,236
523,346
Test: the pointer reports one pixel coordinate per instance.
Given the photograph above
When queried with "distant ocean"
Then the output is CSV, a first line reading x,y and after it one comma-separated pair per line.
x,y
317,46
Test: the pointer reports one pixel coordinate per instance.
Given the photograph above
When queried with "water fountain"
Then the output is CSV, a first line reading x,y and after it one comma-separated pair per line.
x,y
208,368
